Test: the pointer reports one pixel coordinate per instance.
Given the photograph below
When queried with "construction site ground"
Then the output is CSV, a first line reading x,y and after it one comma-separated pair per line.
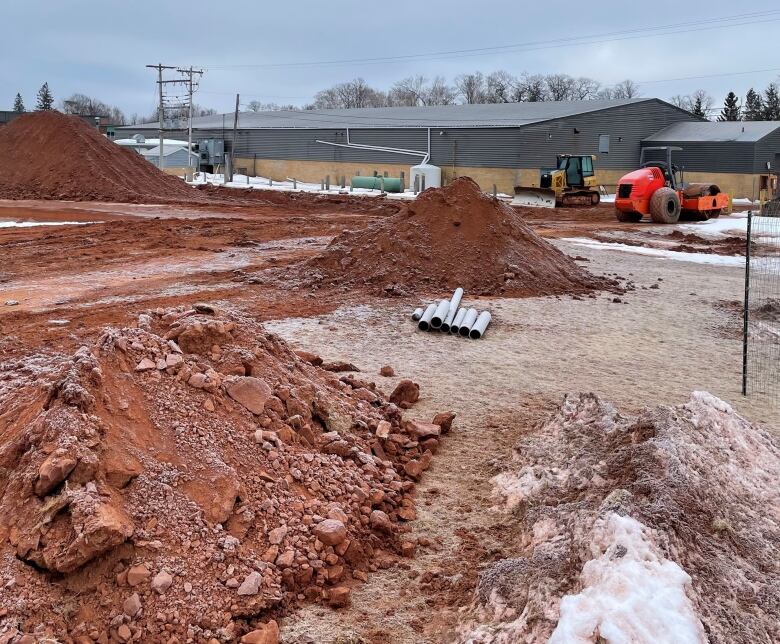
x,y
676,332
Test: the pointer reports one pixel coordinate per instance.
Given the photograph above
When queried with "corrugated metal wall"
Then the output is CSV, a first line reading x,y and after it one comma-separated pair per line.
x,y
531,146
768,149
705,156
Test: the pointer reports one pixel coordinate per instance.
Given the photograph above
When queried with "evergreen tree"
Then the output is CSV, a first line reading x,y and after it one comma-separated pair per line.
x,y
771,103
45,99
697,108
730,111
19,104
754,107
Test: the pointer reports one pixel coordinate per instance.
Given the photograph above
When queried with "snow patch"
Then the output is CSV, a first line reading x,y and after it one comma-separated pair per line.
x,y
631,593
30,224
695,258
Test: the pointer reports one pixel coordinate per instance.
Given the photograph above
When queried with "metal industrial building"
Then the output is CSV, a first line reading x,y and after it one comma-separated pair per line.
x,y
502,144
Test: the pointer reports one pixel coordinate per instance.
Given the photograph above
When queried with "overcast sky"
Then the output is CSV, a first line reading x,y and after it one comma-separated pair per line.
x,y
101,48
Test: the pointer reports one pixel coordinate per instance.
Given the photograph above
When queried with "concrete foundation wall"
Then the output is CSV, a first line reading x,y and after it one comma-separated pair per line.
x,y
505,179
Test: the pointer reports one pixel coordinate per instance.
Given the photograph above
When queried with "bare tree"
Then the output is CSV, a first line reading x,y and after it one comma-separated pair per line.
x,y
585,89
500,87
440,93
352,94
408,92
698,103
559,86
258,106
471,87
626,89
417,90
84,105
532,88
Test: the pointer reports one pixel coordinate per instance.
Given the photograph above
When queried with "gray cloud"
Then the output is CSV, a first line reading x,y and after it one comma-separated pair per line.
x,y
100,48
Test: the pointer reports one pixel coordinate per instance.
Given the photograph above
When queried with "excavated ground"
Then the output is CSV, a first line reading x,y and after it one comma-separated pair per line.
x,y
653,345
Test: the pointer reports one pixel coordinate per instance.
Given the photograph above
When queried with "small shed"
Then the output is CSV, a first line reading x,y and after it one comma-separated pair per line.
x,y
175,157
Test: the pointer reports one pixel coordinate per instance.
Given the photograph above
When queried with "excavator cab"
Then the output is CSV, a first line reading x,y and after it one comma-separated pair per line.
x,y
569,183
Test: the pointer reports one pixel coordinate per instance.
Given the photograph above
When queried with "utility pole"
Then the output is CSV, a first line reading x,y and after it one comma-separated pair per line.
x,y
233,140
191,86
161,110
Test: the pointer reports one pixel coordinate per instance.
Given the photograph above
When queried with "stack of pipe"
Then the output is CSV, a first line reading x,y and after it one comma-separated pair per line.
x,y
448,316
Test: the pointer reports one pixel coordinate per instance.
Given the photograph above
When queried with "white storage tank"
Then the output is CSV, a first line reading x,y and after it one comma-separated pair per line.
x,y
432,174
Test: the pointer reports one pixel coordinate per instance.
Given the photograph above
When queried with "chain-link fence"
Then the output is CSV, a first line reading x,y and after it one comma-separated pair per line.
x,y
761,315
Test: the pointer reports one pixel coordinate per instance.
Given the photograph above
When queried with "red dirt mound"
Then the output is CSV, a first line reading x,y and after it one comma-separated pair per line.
x,y
48,155
189,477
450,237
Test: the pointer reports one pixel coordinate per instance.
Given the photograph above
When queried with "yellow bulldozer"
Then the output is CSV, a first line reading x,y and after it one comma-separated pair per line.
x,y
572,182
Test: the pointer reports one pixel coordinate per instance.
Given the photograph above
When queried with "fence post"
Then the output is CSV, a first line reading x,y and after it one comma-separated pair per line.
x,y
746,307
403,181
327,182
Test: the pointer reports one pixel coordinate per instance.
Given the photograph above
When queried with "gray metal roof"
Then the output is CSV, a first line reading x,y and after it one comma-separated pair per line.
x,y
453,116
704,131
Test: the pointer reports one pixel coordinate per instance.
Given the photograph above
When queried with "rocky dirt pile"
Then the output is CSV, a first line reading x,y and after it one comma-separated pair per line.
x,y
450,237
663,527
190,478
48,155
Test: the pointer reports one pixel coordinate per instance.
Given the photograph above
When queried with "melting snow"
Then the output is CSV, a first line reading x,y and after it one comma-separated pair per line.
x,y
631,593
696,258
30,224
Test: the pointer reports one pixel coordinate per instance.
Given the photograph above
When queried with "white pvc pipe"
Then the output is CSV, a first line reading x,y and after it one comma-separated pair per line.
x,y
425,321
375,148
417,314
457,321
478,330
454,304
440,314
468,322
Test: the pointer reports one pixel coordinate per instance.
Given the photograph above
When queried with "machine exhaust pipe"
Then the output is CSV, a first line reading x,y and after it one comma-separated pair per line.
x,y
440,314
457,321
468,322
478,330
425,321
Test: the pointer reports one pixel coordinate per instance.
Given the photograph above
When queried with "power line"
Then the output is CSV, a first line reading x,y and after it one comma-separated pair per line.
x,y
736,20
721,75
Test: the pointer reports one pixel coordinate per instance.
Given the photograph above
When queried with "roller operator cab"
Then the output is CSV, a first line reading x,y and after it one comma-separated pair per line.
x,y
657,189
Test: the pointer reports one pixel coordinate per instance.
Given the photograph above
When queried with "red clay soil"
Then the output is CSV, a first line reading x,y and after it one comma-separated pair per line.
x,y
188,477
48,155
450,237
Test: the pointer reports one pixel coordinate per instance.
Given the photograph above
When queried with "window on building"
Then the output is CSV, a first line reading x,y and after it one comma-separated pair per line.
x,y
604,143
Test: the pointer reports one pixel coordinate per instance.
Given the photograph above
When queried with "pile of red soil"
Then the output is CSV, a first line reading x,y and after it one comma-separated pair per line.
x,y
48,155
450,237
191,477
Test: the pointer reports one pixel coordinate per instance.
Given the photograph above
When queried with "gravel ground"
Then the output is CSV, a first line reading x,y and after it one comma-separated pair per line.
x,y
656,347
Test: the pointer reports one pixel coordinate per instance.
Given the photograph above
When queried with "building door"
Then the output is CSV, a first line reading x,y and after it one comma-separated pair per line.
x,y
776,172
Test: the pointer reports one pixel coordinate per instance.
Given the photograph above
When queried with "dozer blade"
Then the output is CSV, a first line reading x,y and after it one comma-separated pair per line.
x,y
534,197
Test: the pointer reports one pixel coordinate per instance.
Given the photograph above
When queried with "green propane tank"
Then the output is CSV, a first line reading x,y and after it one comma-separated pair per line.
x,y
391,184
